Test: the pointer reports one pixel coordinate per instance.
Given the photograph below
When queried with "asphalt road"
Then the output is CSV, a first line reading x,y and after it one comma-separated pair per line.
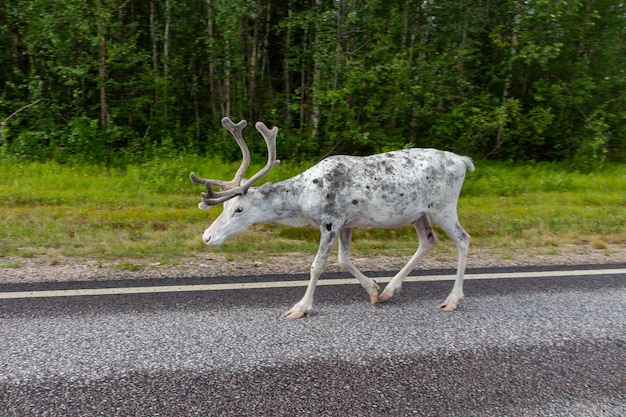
x,y
538,345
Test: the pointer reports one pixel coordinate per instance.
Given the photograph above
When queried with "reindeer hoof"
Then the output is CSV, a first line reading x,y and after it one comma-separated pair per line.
x,y
387,294
294,314
384,297
447,307
374,293
297,314
451,303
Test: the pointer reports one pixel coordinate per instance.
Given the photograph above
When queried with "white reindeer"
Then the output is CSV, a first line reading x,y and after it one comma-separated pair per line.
x,y
342,192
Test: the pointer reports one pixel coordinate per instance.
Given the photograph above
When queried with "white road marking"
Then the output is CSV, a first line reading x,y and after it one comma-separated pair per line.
x,y
284,284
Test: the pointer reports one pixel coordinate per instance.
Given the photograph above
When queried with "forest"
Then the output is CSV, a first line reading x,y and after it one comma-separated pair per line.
x,y
123,81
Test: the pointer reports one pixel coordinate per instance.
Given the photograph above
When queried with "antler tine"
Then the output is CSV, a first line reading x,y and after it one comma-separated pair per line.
x,y
270,140
236,130
235,186
229,188
209,184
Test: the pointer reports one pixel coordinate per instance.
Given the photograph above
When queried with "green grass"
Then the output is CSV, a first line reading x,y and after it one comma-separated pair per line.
x,y
148,213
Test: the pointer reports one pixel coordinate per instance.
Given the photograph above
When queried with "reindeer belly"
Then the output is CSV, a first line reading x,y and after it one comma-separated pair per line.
x,y
382,221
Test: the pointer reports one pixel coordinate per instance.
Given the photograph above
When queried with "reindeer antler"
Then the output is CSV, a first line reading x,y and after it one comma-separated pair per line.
x,y
237,186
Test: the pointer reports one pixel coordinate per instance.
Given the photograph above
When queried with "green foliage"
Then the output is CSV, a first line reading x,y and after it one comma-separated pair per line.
x,y
127,81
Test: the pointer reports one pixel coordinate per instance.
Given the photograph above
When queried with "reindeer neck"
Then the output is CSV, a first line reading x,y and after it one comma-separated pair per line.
x,y
281,202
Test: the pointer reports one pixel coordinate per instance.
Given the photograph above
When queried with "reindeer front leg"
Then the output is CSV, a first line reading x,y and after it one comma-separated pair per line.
x,y
304,307
427,241
345,237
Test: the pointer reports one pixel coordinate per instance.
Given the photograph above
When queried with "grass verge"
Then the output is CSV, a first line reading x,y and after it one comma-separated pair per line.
x,y
148,213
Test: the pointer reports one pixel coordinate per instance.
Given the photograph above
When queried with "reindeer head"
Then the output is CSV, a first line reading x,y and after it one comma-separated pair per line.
x,y
228,223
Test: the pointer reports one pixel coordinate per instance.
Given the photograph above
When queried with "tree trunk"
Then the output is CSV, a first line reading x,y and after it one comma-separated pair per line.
x,y
254,54
105,121
265,59
225,105
213,94
166,57
424,38
155,63
317,77
508,82
286,77
341,54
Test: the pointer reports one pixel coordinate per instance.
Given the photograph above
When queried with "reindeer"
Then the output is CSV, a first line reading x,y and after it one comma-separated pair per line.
x,y
341,192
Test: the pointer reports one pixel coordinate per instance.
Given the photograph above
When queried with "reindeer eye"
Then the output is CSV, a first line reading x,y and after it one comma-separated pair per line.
x,y
239,210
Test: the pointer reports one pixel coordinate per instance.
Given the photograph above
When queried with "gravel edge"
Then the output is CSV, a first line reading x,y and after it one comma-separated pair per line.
x,y
211,264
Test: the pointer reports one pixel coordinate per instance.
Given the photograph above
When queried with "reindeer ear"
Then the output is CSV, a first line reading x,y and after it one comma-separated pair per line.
x,y
265,186
203,206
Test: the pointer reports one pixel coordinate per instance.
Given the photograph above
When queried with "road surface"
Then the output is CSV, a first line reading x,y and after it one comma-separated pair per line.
x,y
527,341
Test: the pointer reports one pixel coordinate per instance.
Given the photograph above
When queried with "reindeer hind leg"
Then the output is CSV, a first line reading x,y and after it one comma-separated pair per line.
x,y
461,239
